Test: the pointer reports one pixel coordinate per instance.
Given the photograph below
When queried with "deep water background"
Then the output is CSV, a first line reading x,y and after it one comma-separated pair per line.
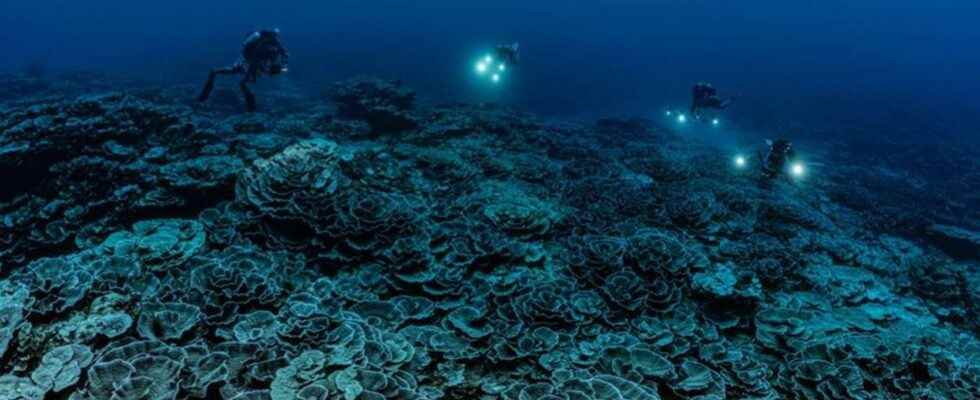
x,y
894,69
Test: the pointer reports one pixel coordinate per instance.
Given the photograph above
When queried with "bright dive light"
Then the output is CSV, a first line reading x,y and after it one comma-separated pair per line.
x,y
797,169
715,122
488,59
740,161
681,118
502,67
496,78
481,67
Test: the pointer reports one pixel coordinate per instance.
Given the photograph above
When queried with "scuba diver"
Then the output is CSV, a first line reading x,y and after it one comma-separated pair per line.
x,y
496,63
262,53
774,161
704,96
508,54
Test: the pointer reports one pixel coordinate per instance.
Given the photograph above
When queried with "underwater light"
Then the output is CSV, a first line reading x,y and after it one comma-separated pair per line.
x,y
496,78
715,122
488,59
681,118
502,67
740,161
797,169
668,113
481,67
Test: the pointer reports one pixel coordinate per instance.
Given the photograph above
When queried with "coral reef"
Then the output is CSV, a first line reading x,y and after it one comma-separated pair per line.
x,y
151,251
384,105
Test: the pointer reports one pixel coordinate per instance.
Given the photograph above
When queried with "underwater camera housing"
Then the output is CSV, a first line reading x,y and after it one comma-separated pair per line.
x,y
277,66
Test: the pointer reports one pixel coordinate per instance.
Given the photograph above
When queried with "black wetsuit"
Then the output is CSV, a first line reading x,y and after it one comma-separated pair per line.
x,y
507,54
704,96
262,53
774,162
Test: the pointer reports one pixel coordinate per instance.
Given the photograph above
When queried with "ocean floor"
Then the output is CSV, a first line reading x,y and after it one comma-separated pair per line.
x,y
363,246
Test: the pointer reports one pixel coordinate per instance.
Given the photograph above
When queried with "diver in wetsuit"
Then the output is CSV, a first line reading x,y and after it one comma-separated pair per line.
x,y
774,161
704,96
262,53
508,54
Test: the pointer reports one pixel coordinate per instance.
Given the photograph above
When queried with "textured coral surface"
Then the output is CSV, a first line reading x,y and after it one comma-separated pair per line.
x,y
365,247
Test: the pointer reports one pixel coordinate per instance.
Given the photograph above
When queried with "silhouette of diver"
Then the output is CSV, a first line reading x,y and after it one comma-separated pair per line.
x,y
508,54
262,53
774,162
704,96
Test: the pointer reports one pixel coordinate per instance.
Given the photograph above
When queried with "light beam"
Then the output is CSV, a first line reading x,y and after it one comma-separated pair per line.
x,y
797,169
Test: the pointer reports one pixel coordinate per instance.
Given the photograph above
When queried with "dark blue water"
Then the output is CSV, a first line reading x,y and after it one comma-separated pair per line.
x,y
904,62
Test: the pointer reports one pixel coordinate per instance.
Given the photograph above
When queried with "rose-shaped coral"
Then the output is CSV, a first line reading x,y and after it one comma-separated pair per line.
x,y
383,104
693,210
240,277
409,260
663,295
660,251
520,219
366,219
536,342
544,304
167,321
206,172
56,284
587,306
297,183
158,245
626,290
594,257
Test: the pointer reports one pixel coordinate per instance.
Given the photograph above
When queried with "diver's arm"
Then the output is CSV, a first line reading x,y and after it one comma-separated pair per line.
x,y
250,74
728,101
237,68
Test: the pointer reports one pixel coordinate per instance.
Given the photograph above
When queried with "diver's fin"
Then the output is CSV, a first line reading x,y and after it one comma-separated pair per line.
x,y
208,87
249,98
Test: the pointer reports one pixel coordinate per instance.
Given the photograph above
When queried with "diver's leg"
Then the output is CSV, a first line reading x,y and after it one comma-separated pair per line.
x,y
251,75
209,85
249,96
697,112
